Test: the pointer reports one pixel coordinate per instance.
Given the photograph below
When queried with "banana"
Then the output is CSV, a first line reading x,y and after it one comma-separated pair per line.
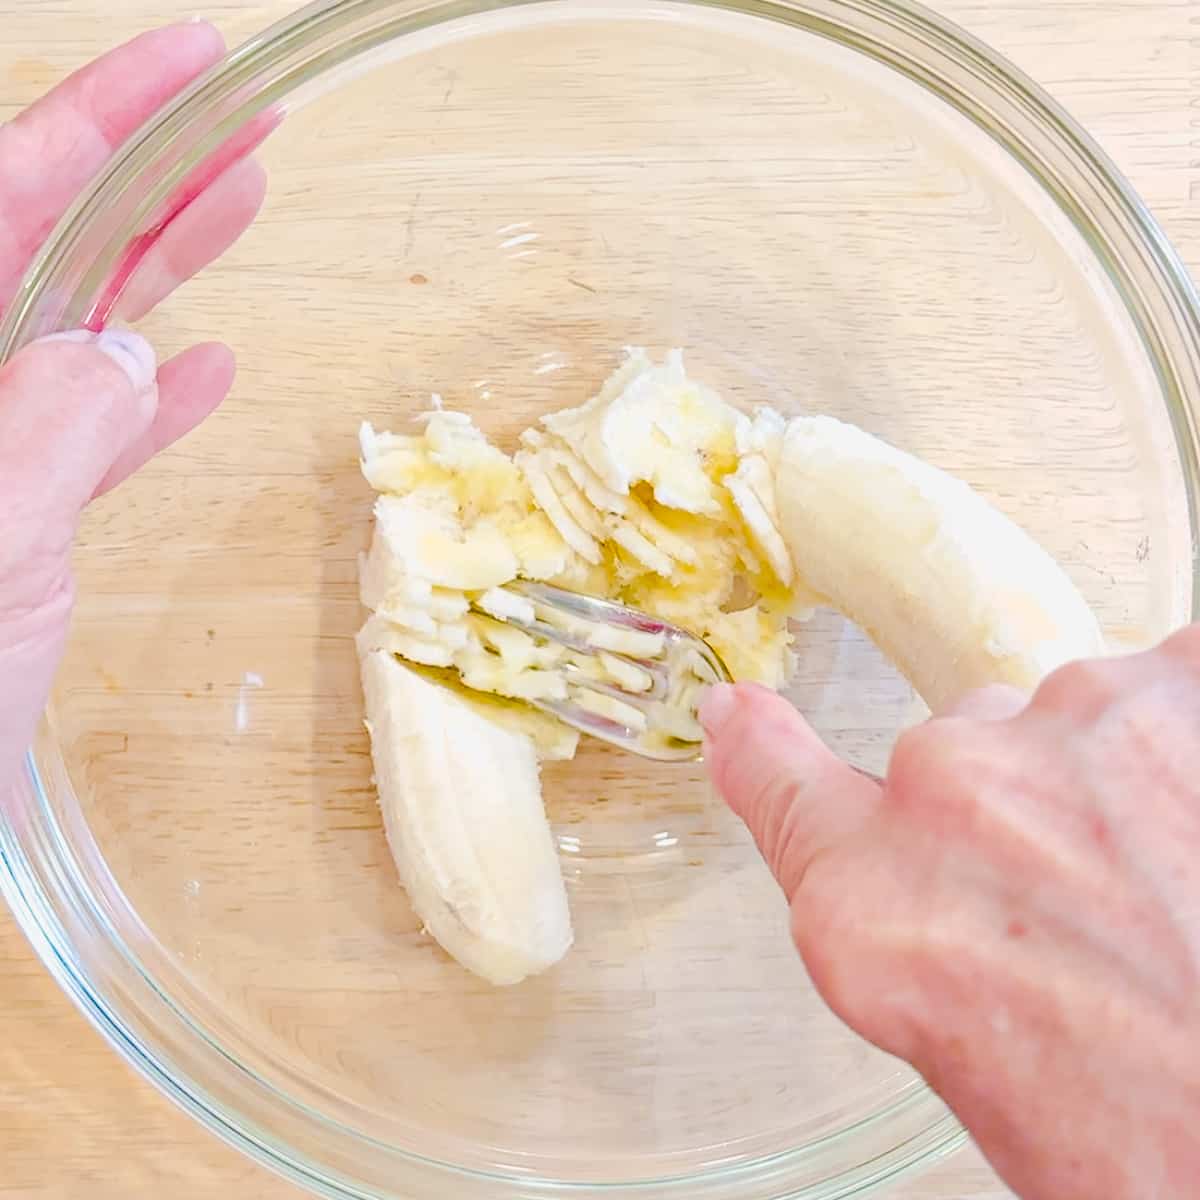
x,y
947,586
654,491
666,494
462,807
657,493
656,426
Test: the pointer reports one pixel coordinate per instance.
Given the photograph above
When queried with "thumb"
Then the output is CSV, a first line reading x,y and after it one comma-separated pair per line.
x,y
70,405
796,797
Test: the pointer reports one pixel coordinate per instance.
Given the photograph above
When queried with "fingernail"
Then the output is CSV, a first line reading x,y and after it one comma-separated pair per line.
x,y
132,353
717,707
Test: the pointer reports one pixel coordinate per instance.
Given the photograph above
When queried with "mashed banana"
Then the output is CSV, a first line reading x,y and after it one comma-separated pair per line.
x,y
655,493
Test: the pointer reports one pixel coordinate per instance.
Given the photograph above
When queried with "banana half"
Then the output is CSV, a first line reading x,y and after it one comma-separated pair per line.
x,y
950,589
462,807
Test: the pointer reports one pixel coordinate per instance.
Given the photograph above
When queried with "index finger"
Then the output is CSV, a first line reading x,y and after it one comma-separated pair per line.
x,y
795,795
50,151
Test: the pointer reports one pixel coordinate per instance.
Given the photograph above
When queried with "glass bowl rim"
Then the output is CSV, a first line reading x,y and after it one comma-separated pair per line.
x,y
43,883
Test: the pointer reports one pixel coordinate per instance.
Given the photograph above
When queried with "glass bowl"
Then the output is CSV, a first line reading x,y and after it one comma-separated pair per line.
x,y
835,205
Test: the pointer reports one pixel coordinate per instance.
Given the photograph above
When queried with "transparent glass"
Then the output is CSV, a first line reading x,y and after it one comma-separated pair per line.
x,y
834,205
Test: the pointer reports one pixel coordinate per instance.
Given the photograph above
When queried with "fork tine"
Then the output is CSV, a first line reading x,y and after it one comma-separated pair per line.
x,y
639,700
646,744
550,632
680,666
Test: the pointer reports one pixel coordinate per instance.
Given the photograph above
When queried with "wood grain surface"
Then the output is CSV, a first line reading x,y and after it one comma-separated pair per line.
x,y
73,1119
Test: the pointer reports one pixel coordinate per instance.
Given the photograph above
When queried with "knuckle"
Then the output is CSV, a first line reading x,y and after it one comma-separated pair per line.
x,y
39,357
915,750
923,763
1086,687
772,817
67,371
787,830
1183,648
948,777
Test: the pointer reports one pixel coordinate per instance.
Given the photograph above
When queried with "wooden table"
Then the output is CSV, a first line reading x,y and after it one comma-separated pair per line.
x,y
73,1119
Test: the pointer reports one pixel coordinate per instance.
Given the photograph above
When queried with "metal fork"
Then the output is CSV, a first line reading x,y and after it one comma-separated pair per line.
x,y
678,665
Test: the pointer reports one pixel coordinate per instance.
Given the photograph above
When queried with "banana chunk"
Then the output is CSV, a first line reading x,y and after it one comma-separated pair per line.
x,y
467,830
947,586
652,424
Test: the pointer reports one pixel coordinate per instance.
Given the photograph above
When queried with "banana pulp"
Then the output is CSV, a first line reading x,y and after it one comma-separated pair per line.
x,y
656,493
660,495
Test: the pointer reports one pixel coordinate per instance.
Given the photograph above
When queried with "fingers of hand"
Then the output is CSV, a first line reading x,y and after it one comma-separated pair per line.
x,y
796,796
49,152
197,237
70,406
190,387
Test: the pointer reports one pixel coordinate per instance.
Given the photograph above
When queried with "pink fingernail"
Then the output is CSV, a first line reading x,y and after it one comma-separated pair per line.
x,y
132,353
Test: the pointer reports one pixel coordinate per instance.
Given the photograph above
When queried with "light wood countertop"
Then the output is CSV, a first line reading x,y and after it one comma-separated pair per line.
x,y
74,1120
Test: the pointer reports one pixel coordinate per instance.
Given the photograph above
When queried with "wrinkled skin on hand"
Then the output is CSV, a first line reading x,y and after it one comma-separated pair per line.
x,y
78,415
1016,911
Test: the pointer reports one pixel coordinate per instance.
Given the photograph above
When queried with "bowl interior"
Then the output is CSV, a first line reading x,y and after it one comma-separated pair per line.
x,y
491,210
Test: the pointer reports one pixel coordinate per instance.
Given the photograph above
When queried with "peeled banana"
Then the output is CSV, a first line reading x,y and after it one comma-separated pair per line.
x,y
657,493
950,589
462,807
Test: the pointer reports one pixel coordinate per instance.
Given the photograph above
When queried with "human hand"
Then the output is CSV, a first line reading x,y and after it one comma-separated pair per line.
x,y
1016,911
79,412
